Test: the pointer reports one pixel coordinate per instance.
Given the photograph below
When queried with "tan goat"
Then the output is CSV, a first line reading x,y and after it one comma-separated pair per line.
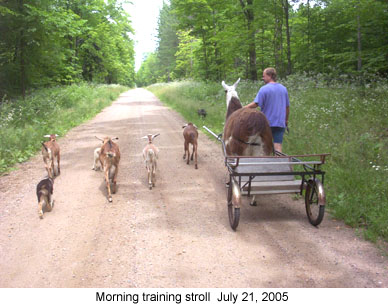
x,y
50,151
190,134
150,155
109,157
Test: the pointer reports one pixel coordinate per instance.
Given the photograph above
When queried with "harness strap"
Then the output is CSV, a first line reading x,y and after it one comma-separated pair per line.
x,y
248,143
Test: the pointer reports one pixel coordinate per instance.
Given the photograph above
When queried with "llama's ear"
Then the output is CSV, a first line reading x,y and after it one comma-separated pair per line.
x,y
235,84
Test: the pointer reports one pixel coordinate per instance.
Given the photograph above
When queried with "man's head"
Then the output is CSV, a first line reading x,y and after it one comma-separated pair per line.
x,y
269,74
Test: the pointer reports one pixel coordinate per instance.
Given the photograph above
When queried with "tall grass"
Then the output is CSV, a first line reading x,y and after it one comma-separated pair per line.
x,y
49,111
349,121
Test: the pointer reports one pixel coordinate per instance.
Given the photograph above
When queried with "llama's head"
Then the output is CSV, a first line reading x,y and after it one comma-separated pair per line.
x,y
230,91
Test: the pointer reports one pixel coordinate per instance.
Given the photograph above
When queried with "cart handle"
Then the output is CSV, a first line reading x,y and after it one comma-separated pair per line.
x,y
214,134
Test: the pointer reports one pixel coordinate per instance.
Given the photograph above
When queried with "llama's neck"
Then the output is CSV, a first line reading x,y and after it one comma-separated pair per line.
x,y
234,104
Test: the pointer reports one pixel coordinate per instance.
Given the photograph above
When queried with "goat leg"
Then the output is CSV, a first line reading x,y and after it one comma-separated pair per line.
x,y
196,155
115,179
108,185
149,177
40,207
185,148
58,159
153,175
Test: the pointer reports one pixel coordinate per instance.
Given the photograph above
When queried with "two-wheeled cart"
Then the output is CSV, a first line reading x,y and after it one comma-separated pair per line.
x,y
257,175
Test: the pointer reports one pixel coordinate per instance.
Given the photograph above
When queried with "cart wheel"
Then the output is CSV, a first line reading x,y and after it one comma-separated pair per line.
x,y
233,212
315,201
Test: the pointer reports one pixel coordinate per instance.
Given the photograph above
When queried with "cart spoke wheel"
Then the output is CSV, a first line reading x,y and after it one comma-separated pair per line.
x,y
315,201
233,212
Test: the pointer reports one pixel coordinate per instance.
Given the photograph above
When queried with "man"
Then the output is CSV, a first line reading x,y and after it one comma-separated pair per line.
x,y
273,101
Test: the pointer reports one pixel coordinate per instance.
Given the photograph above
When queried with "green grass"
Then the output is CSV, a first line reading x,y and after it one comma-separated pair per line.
x,y
346,120
48,111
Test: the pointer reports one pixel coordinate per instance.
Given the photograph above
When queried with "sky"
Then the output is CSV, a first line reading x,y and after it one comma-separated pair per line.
x,y
144,16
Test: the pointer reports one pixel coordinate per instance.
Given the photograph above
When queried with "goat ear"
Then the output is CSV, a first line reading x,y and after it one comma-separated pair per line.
x,y
48,136
195,126
99,138
144,137
56,135
184,126
235,84
116,138
156,135
224,85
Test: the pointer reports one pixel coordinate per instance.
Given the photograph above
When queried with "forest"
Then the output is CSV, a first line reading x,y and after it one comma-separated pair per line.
x,y
45,43
61,61
214,40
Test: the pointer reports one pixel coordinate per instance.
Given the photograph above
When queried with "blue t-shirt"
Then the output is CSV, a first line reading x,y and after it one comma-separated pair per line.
x,y
273,100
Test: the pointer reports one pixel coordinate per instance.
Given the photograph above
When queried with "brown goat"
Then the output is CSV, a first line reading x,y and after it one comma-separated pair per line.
x,y
109,157
246,131
150,155
50,151
190,134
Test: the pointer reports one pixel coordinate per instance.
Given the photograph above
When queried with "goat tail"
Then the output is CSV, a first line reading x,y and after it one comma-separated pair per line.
x,y
150,155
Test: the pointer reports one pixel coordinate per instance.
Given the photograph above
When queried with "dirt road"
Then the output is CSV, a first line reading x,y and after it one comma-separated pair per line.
x,y
176,235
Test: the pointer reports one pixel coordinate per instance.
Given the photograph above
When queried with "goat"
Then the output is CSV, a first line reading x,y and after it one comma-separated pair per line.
x,y
246,130
50,151
109,157
150,155
44,192
190,135
96,158
201,113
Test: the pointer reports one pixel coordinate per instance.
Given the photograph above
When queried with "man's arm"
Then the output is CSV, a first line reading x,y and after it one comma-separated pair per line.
x,y
251,105
287,113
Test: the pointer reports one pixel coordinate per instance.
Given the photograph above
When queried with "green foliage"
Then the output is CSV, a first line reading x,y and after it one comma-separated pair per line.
x,y
46,43
47,111
349,121
213,40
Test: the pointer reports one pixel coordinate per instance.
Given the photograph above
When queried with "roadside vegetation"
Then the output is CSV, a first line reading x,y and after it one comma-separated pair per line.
x,y
23,123
326,116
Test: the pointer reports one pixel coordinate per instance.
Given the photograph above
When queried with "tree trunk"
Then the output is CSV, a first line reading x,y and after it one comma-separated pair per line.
x,y
22,46
286,14
250,17
277,37
359,49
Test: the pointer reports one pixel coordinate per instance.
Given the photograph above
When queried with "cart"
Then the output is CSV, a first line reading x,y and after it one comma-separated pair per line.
x,y
256,175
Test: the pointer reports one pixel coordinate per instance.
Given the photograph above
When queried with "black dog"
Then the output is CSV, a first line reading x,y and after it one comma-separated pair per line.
x,y
44,192
202,113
